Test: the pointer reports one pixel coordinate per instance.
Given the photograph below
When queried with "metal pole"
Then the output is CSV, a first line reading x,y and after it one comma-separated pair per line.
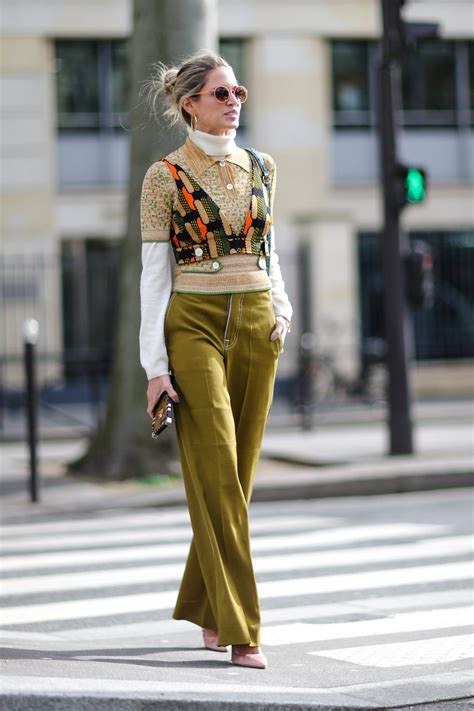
x,y
307,376
30,335
394,245
306,388
93,377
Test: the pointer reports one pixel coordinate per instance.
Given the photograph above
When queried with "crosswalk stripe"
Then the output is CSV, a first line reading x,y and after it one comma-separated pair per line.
x,y
298,633
367,580
74,559
349,534
105,522
94,607
122,529
434,650
451,598
94,539
449,546
159,517
292,588
433,598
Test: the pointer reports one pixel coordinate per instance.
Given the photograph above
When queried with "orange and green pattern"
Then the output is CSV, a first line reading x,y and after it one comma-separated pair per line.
x,y
200,229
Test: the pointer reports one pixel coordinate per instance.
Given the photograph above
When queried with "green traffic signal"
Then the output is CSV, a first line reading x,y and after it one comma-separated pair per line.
x,y
415,185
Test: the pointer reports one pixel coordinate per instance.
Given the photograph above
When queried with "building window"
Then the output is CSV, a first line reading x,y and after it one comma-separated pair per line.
x,y
89,271
92,78
350,83
446,330
119,74
429,85
436,78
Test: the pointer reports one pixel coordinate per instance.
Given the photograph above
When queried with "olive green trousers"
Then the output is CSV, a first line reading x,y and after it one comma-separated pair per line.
x,y
223,367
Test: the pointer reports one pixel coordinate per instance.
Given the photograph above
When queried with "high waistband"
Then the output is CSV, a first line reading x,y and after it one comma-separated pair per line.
x,y
227,274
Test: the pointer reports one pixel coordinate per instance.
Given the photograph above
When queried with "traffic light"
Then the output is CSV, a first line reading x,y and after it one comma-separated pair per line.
x,y
409,185
419,276
406,34
415,185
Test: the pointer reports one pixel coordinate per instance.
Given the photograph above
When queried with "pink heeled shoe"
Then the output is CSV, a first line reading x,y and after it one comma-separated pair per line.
x,y
244,659
210,641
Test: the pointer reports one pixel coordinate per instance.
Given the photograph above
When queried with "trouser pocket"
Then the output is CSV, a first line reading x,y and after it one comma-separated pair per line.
x,y
165,322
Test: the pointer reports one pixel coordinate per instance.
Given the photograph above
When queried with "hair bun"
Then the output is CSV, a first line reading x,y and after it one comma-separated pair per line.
x,y
169,80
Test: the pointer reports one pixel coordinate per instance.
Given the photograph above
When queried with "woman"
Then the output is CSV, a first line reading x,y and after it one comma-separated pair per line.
x,y
211,337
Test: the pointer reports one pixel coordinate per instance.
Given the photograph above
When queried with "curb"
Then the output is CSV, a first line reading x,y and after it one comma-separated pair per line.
x,y
61,699
33,702
50,702
309,483
368,480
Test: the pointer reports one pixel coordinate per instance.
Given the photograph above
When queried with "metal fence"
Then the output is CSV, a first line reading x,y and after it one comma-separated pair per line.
x,y
446,331
73,296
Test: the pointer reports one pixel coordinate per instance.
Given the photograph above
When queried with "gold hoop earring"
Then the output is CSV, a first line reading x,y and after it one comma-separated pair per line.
x,y
194,122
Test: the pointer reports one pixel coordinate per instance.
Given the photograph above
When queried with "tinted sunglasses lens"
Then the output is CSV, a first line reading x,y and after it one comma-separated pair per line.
x,y
241,93
221,93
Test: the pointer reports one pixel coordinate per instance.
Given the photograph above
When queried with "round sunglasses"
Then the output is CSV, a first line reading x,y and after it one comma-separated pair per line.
x,y
222,93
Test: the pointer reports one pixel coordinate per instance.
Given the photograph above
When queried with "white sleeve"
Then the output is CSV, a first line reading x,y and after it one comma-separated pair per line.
x,y
155,291
280,300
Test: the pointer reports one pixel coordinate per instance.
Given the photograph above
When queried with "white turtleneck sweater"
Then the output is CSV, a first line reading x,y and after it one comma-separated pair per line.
x,y
156,279
215,146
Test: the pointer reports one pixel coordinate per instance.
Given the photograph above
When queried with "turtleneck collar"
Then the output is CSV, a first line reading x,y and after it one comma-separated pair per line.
x,y
218,146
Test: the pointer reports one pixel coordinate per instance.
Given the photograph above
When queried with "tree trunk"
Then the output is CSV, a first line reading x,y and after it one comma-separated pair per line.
x,y
167,31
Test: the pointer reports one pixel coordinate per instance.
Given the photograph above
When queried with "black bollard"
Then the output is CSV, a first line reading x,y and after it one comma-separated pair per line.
x,y
30,335
307,379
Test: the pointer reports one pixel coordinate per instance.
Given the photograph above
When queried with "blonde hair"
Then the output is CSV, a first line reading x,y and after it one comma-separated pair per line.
x,y
173,84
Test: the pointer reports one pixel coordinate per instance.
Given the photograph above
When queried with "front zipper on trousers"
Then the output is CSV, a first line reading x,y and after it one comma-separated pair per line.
x,y
230,339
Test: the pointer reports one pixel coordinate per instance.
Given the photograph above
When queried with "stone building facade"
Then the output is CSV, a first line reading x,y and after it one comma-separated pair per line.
x,y
309,66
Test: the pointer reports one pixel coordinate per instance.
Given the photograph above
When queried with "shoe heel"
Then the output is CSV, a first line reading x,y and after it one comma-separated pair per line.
x,y
210,641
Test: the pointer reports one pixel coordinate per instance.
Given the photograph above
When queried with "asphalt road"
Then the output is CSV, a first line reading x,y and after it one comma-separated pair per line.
x,y
366,603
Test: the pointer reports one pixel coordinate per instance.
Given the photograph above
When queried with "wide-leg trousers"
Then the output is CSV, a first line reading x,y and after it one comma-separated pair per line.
x,y
223,367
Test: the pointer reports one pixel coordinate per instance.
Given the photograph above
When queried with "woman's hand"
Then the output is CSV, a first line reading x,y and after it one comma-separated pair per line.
x,y
280,330
156,386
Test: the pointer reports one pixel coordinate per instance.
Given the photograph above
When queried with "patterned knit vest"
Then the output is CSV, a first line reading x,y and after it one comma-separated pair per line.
x,y
200,230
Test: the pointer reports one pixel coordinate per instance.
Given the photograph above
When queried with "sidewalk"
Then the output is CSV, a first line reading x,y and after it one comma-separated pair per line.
x,y
344,455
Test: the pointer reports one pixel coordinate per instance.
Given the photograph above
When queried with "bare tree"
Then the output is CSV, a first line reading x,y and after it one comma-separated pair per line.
x,y
167,31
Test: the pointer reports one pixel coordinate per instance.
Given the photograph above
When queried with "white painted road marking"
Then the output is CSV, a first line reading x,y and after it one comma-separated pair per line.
x,y
435,650
147,534
299,633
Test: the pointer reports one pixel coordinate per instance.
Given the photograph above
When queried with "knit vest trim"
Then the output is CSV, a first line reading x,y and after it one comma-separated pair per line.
x,y
200,230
